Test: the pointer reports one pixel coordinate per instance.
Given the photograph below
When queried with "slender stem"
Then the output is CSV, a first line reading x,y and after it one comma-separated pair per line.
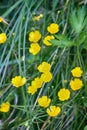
x,y
82,122
38,96
43,126
78,54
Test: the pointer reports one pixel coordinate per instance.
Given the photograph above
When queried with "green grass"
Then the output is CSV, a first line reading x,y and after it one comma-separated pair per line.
x,y
68,50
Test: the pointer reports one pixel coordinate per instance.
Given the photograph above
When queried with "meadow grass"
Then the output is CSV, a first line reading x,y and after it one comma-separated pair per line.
x,y
68,51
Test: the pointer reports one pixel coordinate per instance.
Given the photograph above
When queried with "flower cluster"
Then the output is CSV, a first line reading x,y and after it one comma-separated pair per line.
x,y
46,76
34,37
76,83
44,101
52,29
43,68
63,94
35,85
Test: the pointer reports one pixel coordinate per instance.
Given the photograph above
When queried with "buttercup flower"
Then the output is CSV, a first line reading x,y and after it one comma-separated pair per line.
x,y
18,81
41,15
53,28
64,94
46,77
47,39
32,89
44,101
44,67
37,82
34,36
34,48
1,19
3,38
76,84
77,72
5,107
37,18
53,111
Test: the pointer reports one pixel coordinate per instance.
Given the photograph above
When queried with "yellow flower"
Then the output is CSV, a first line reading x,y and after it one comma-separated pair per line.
x,y
18,81
44,101
53,111
37,82
3,38
37,18
76,84
41,15
1,19
64,94
34,36
46,77
77,72
53,28
32,89
47,39
34,48
5,107
44,67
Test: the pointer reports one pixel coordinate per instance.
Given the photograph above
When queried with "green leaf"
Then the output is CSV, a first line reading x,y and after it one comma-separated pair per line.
x,y
62,41
85,45
82,37
85,103
85,128
78,20
11,8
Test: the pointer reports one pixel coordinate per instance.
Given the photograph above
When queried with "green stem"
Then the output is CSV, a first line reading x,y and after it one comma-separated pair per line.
x,y
82,122
78,54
